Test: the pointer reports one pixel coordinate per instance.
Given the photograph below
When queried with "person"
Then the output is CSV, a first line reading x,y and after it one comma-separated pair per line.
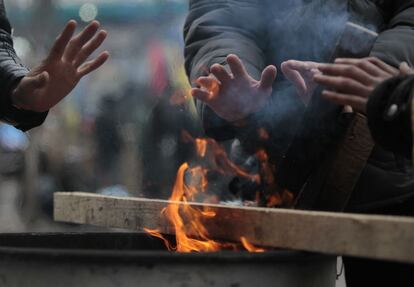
x,y
387,101
26,96
232,49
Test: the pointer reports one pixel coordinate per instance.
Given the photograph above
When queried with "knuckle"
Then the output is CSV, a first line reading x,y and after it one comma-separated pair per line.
x,y
362,63
349,69
72,41
342,81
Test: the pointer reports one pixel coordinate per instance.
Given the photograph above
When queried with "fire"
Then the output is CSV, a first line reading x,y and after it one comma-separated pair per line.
x,y
249,247
215,154
191,184
201,146
185,193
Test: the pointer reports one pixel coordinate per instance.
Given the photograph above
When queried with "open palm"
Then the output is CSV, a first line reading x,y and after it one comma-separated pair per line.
x,y
47,84
234,95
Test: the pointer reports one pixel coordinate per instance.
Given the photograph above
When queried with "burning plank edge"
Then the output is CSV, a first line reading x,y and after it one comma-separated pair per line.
x,y
368,236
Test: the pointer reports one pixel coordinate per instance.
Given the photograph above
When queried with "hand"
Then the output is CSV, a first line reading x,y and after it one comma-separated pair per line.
x,y
351,81
235,95
301,75
405,69
47,84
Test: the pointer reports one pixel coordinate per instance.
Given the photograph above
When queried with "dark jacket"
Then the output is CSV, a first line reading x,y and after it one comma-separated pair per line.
x,y
11,72
390,115
272,31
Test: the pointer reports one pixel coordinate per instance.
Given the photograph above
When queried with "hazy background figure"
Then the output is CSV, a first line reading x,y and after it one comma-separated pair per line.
x,y
91,142
108,142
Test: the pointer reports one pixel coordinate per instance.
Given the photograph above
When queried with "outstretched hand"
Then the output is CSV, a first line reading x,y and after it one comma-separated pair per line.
x,y
233,96
47,84
300,74
351,81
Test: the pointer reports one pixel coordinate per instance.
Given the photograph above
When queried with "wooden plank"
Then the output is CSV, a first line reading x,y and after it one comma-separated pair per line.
x,y
368,236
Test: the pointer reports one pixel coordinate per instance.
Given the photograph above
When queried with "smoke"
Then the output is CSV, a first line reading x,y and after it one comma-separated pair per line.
x,y
302,30
295,29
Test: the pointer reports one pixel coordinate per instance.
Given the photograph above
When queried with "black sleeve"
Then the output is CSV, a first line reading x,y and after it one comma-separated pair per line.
x,y
213,30
395,42
389,112
11,72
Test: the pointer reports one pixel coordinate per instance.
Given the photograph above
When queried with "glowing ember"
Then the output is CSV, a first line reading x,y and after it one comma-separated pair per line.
x,y
263,134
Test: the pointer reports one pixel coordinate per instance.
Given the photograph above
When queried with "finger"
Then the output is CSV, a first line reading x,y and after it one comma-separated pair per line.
x,y
62,40
315,72
208,83
367,66
201,94
220,73
405,69
237,68
356,102
81,39
92,65
89,48
301,66
384,66
294,77
343,85
268,77
349,71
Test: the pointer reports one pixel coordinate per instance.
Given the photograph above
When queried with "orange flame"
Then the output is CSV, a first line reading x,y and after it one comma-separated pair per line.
x,y
190,231
195,227
250,247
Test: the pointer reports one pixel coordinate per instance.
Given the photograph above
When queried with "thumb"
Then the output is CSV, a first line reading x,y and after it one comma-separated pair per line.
x,y
405,69
268,77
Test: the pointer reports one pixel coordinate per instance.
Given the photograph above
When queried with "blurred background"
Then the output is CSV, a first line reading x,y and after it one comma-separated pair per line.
x,y
119,132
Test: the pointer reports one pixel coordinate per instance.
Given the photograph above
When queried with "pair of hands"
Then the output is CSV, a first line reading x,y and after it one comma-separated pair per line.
x,y
47,84
349,82
234,95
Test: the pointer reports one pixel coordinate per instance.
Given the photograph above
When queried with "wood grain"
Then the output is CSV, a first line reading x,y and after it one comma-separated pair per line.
x,y
368,236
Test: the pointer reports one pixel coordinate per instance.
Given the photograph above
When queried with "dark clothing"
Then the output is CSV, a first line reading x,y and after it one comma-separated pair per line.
x,y
270,32
390,115
11,72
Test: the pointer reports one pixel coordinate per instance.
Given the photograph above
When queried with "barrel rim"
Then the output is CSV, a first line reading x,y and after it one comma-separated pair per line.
x,y
143,256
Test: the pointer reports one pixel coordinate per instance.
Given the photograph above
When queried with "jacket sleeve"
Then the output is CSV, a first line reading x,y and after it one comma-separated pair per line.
x,y
213,30
394,44
11,72
390,115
